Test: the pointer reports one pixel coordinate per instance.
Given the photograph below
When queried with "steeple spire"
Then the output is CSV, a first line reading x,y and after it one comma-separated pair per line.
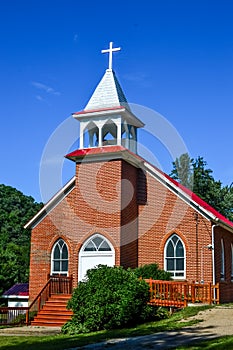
x,y
110,51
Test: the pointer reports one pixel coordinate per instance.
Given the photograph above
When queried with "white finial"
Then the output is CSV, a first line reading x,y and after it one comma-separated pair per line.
x,y
110,51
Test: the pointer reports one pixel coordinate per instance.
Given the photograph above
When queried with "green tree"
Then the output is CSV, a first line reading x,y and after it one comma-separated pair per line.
x,y
16,210
152,271
183,170
204,185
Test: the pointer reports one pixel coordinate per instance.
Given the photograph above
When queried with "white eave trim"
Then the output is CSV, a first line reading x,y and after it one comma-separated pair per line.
x,y
54,201
15,296
97,113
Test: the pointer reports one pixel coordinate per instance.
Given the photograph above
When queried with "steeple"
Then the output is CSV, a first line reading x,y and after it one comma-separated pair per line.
x,y
107,94
107,119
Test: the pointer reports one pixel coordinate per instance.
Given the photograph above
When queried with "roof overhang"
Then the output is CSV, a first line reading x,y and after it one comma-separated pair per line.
x,y
53,202
15,297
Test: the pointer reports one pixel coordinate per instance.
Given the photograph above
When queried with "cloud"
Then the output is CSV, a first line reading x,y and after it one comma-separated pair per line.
x,y
138,78
45,88
75,37
39,98
135,77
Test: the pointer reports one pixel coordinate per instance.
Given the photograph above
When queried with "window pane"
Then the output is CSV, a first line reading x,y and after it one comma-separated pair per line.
x,y
170,250
175,239
104,246
179,274
60,242
65,265
90,247
179,264
179,249
56,266
64,252
170,264
56,254
97,241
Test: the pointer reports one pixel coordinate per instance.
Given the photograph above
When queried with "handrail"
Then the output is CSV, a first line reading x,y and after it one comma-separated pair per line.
x,y
53,285
37,299
38,296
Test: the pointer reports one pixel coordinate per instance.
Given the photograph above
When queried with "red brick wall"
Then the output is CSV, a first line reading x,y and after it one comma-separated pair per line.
x,y
164,215
129,214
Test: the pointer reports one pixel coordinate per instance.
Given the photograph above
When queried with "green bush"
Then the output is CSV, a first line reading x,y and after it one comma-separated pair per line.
x,y
110,297
152,271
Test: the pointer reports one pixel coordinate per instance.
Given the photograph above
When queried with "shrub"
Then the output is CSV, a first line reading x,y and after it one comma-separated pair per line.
x,y
109,298
152,271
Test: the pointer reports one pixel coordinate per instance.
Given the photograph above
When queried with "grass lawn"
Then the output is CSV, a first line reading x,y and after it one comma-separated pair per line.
x,y
61,342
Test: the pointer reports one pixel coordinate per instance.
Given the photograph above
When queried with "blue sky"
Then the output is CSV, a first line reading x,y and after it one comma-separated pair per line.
x,y
176,58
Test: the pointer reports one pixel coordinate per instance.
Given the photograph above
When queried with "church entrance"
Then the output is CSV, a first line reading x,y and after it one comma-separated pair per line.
x,y
96,250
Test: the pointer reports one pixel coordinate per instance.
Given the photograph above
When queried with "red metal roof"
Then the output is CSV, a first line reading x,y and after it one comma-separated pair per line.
x,y
81,153
99,110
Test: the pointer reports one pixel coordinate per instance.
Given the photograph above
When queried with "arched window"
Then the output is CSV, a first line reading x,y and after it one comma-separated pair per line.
x,y
175,257
222,273
97,244
91,135
59,258
109,133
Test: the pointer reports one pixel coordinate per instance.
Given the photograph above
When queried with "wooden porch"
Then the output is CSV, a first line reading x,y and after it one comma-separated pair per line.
x,y
180,294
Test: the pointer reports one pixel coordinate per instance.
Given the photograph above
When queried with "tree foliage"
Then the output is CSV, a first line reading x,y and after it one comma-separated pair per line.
x,y
201,181
152,271
16,210
110,297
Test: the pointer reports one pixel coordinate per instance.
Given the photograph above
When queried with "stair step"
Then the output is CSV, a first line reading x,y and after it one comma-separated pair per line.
x,y
56,303
51,317
54,312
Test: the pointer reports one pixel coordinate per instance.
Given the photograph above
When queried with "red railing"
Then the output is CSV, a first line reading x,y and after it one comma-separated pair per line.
x,y
179,294
12,315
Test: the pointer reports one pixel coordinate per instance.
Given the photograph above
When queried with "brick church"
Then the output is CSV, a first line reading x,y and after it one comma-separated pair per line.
x,y
118,209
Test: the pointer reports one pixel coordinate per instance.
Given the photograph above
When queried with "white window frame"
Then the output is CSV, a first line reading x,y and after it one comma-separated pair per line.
x,y
222,272
60,272
165,259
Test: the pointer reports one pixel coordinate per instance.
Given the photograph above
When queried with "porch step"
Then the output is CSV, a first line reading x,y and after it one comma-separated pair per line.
x,y
54,312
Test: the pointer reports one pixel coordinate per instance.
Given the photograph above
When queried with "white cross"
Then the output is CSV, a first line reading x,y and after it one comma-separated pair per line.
x,y
110,50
